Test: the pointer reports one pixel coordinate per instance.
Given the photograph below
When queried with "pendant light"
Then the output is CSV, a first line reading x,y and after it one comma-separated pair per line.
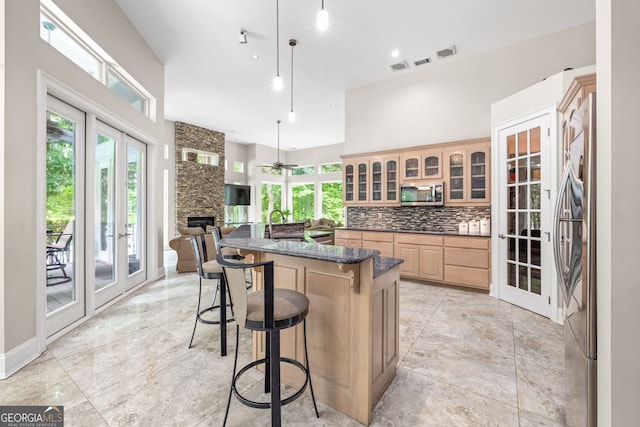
x,y
277,81
322,19
292,114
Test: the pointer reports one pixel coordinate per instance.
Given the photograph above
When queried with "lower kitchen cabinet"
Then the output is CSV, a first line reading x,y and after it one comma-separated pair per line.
x,y
422,254
348,238
454,260
381,241
467,261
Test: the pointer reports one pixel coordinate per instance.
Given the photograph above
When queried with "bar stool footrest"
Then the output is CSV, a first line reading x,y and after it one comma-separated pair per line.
x,y
266,405
212,322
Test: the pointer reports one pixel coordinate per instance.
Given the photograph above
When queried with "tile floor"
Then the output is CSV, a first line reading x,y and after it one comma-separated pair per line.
x,y
466,359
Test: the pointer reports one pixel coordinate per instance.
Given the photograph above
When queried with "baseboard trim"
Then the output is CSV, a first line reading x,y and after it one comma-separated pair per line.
x,y
18,358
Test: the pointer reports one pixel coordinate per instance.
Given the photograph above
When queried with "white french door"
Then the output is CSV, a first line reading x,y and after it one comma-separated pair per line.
x,y
525,176
95,214
117,253
65,151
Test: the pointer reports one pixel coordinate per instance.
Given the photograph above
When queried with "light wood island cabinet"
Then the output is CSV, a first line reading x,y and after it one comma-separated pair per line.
x,y
353,322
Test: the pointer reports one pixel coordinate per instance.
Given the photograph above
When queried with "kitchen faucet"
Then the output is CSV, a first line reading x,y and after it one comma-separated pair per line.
x,y
284,219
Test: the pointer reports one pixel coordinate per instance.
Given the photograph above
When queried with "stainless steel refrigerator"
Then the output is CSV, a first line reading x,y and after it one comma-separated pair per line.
x,y
574,251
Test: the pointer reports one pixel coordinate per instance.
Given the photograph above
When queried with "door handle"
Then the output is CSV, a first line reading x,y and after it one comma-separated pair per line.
x,y
502,236
548,236
120,235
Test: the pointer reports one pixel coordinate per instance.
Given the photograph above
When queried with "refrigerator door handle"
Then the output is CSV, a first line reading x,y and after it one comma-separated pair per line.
x,y
558,238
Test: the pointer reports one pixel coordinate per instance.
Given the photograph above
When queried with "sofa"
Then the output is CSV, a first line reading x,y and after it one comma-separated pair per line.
x,y
180,244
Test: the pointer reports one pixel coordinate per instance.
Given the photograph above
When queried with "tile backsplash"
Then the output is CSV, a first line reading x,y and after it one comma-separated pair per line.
x,y
414,218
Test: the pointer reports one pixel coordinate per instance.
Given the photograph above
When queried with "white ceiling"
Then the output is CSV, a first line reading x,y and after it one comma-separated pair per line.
x,y
211,80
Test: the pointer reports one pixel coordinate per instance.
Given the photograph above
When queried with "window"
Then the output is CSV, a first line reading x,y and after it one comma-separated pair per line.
x,y
271,171
238,167
303,170
303,197
331,167
271,198
332,206
64,35
201,157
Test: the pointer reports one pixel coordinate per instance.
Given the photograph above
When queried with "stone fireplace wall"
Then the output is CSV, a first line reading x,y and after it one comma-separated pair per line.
x,y
199,187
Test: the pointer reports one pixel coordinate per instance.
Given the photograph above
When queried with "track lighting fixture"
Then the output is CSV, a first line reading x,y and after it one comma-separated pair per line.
x,y
242,38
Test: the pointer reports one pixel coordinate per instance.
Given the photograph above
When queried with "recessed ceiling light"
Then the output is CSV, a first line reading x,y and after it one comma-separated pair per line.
x,y
254,56
395,53
333,105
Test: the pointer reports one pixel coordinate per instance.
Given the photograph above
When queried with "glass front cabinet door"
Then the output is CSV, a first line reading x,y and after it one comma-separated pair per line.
x,y
348,181
468,172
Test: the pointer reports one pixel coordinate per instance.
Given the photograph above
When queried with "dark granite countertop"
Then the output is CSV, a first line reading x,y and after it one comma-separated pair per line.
x,y
251,237
382,264
400,230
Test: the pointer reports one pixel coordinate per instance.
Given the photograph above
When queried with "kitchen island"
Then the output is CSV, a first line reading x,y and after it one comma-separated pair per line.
x,y
353,320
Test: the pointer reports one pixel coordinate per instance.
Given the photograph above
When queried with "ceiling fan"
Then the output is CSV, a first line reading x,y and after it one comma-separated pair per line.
x,y
277,165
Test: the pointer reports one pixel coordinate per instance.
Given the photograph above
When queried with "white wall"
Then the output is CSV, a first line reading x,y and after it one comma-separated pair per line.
x,y
618,234
450,100
25,54
2,180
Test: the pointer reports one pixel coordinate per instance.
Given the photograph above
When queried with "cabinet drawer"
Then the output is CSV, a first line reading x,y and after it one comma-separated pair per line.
x,y
348,234
476,277
419,239
377,236
467,242
478,258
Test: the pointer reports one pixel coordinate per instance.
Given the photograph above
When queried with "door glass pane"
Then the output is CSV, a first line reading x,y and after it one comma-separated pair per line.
x,y
511,274
376,181
511,223
456,176
511,250
362,182
522,197
431,166
511,172
61,209
535,140
411,168
523,282
511,197
536,281
135,212
523,175
511,146
534,165
348,182
535,196
105,232
392,180
522,144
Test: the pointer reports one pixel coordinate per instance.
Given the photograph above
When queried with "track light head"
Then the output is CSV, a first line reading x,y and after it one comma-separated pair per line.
x,y
242,38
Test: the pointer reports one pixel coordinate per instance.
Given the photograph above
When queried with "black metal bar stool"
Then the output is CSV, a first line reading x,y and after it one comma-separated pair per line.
x,y
269,310
210,270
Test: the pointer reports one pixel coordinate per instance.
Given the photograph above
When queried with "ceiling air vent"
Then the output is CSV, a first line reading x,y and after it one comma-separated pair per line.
x,y
400,66
422,61
443,53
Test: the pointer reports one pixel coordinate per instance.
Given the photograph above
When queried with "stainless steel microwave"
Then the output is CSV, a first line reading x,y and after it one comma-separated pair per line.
x,y
422,194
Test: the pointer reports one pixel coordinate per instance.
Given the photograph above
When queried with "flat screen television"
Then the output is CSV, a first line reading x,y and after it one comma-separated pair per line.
x,y
235,194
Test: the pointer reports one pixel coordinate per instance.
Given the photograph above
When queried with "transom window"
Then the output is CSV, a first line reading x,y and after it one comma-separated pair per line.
x,y
64,35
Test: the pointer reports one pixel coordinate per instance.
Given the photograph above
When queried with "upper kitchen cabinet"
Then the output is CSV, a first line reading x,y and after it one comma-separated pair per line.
x,y
355,181
421,165
384,180
371,180
467,174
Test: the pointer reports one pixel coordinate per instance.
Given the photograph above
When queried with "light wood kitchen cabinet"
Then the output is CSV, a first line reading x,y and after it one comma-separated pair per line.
x,y
371,180
421,165
381,241
355,180
467,174
422,254
384,180
348,238
467,261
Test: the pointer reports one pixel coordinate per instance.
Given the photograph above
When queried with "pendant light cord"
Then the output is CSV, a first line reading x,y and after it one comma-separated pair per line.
x,y
278,38
292,46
